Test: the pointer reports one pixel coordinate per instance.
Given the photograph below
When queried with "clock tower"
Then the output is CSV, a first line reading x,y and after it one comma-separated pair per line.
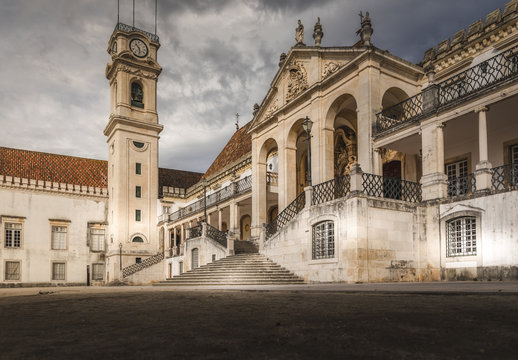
x,y
133,132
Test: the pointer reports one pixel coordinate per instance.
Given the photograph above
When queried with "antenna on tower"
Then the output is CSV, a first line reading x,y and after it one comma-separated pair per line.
x,y
237,121
133,13
118,7
156,4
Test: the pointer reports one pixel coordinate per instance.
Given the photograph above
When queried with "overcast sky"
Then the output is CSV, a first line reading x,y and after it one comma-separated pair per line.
x,y
218,59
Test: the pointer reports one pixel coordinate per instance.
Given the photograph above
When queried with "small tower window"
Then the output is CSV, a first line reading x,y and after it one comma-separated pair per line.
x,y
138,169
138,215
137,95
138,191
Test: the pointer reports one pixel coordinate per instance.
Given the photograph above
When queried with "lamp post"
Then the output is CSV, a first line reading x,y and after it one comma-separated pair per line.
x,y
306,125
120,256
204,184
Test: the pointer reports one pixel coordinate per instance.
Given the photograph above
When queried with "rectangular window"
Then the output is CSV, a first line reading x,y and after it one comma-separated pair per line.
x,y
138,260
138,191
58,271
97,271
138,169
324,240
97,239
462,236
59,237
13,235
457,173
514,154
12,270
138,215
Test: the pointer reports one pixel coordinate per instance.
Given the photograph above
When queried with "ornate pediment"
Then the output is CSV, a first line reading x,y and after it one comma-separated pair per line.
x,y
297,79
271,109
329,68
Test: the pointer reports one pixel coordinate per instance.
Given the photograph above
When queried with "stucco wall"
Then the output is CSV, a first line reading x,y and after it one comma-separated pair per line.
x,y
206,248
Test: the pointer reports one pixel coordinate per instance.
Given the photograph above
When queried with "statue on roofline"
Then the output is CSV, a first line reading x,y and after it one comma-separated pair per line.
x,y
299,34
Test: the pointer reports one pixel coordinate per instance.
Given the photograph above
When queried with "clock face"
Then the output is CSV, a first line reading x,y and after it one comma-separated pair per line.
x,y
138,47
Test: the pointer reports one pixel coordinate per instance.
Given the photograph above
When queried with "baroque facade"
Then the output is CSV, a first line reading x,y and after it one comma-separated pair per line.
x,y
407,172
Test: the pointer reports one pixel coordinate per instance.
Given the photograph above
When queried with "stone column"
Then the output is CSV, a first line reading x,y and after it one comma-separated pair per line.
x,y
220,219
434,182
175,243
378,162
234,218
258,193
483,173
308,190
356,179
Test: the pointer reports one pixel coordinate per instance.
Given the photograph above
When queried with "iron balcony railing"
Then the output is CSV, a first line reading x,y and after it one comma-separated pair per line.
x,y
391,188
194,232
505,178
467,84
216,235
331,190
286,215
401,113
237,188
128,28
462,185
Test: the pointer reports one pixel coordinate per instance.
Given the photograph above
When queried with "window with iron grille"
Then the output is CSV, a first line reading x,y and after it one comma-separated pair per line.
x,y
12,270
462,236
97,271
514,154
96,239
59,237
324,240
13,235
58,271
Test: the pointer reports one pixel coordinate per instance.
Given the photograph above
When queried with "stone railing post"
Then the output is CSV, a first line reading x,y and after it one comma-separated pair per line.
x,y
356,179
483,172
230,243
430,93
204,229
309,196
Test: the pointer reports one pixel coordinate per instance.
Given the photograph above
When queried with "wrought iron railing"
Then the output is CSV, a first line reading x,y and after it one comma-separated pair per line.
x,y
194,232
466,84
217,235
391,188
462,185
132,269
332,189
505,178
286,215
401,113
478,77
128,28
240,187
272,178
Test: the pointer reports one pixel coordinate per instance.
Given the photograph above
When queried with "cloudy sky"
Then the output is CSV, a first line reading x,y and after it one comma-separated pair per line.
x,y
218,59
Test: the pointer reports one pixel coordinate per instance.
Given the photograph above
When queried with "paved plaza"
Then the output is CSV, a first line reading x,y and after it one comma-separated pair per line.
x,y
467,320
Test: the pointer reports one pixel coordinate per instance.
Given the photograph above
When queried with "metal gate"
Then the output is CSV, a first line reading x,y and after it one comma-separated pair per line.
x,y
194,260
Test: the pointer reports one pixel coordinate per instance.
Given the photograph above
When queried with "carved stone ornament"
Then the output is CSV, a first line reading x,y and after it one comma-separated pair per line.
x,y
318,34
330,68
273,108
299,34
137,72
298,80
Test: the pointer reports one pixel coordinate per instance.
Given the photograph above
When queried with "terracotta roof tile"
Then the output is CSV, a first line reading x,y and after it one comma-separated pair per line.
x,y
177,178
52,167
239,145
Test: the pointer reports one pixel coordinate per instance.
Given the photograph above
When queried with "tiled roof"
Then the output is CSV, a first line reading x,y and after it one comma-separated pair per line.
x,y
52,167
239,145
75,170
177,178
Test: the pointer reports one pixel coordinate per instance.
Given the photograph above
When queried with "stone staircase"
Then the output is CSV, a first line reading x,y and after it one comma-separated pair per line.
x,y
150,261
239,269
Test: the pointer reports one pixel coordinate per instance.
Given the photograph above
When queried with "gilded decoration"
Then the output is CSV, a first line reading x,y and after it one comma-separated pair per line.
x,y
330,68
346,152
273,108
298,80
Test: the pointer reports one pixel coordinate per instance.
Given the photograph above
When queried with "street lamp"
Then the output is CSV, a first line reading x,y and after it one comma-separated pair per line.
x,y
204,184
120,256
306,125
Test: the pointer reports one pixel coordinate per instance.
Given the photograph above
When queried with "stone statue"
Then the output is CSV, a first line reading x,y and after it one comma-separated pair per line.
x,y
282,59
318,34
256,109
299,34
366,30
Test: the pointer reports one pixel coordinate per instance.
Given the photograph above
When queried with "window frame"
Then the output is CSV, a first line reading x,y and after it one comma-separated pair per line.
x,y
19,270
138,192
53,274
138,168
54,224
323,234
94,272
12,221
462,236
138,215
92,237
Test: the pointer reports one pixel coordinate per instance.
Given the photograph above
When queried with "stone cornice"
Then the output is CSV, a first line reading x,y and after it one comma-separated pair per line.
x,y
122,120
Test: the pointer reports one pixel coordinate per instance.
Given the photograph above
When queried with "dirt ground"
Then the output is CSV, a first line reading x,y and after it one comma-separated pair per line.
x,y
255,324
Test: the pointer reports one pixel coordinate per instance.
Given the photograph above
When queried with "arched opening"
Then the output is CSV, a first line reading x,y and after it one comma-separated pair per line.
x,y
302,163
137,95
392,97
341,138
245,227
272,213
268,175
297,161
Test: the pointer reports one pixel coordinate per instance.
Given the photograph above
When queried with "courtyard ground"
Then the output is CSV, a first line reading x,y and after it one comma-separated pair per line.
x,y
378,321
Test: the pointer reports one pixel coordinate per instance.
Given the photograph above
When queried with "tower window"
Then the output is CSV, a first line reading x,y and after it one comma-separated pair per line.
x,y
138,215
138,191
137,95
138,169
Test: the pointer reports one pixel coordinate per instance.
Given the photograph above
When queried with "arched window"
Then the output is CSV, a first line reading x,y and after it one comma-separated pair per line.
x,y
323,244
462,236
137,239
137,95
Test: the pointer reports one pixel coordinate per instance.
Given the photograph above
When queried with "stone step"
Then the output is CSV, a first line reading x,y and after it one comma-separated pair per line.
x,y
230,281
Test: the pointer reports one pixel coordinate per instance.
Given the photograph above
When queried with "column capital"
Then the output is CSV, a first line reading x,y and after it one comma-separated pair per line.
x,y
482,108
